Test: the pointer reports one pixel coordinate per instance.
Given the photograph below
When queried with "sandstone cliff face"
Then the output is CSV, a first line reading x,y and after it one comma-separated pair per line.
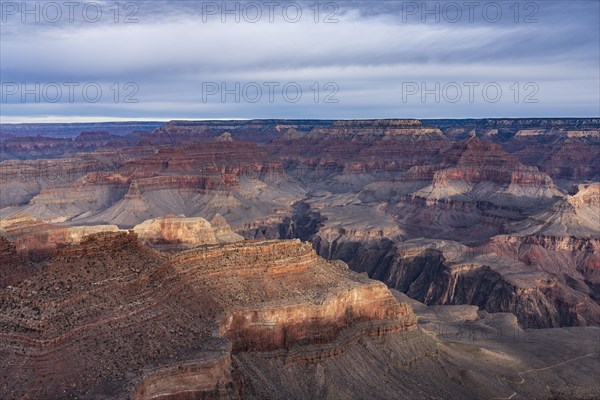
x,y
449,273
22,180
165,325
185,231
564,241
37,240
546,282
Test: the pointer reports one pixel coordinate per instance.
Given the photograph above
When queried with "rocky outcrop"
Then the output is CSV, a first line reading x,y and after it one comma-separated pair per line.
x,y
171,230
165,325
38,240
449,273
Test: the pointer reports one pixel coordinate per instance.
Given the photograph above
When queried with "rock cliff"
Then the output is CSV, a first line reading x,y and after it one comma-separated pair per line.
x,y
157,324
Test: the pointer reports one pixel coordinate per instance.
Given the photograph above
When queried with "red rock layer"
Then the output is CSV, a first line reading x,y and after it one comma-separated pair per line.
x,y
110,318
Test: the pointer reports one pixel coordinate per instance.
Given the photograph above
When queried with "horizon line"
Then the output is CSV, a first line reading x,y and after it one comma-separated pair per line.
x,y
101,120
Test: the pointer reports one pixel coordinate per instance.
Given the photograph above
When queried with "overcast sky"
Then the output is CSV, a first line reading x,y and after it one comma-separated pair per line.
x,y
197,60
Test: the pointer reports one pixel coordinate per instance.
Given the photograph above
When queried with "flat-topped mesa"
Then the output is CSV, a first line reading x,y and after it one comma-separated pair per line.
x,y
172,230
375,130
269,256
369,308
584,134
377,123
518,128
171,320
518,176
544,134
38,240
276,302
259,131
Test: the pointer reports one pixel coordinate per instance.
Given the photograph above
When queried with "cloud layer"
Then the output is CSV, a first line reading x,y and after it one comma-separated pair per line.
x,y
370,60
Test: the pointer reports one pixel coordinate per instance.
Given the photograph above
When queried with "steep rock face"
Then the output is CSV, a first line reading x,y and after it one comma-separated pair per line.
x,y
475,189
456,275
38,240
185,231
22,180
377,147
445,272
208,377
570,160
563,241
164,326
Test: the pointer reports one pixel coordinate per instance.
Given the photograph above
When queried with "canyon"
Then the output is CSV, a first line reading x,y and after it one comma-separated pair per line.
x,y
301,259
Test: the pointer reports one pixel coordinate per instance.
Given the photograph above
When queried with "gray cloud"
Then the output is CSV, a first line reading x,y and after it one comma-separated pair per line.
x,y
371,54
